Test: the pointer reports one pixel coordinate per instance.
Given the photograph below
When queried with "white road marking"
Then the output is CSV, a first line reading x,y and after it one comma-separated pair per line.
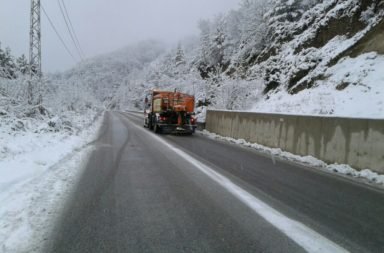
x,y
304,236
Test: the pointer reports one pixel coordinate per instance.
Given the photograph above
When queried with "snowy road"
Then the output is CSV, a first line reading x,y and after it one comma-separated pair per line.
x,y
146,193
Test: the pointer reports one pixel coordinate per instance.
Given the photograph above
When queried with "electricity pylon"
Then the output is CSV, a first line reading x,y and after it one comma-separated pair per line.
x,y
34,52
35,40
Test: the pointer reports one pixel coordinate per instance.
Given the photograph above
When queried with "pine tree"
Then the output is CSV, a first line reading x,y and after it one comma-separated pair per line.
x,y
22,64
179,58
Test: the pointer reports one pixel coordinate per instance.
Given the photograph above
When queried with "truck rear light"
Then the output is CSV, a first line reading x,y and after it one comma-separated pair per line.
x,y
193,121
162,118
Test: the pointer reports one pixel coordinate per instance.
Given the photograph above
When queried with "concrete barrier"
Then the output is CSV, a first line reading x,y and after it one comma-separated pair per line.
x,y
357,142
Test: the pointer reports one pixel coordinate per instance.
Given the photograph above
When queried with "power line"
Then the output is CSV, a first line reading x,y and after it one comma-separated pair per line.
x,y
69,30
73,30
58,34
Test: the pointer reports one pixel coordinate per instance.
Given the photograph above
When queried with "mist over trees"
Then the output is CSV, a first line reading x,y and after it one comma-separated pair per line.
x,y
228,45
237,59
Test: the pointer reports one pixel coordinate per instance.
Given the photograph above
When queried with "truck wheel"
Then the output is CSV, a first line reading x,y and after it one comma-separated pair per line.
x,y
157,129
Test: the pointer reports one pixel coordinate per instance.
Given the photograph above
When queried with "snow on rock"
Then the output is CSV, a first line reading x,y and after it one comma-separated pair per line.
x,y
352,88
366,174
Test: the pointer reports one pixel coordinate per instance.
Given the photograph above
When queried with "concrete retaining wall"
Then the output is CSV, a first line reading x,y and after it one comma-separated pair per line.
x,y
357,142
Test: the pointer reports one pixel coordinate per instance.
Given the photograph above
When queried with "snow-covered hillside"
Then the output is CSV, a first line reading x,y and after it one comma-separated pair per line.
x,y
115,79
296,56
329,68
352,88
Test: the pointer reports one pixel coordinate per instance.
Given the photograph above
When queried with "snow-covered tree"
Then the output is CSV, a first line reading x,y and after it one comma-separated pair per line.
x,y
217,43
233,35
7,64
22,64
205,39
179,58
213,45
253,30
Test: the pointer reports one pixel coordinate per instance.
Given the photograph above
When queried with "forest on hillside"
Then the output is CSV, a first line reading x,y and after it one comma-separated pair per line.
x,y
240,58
250,58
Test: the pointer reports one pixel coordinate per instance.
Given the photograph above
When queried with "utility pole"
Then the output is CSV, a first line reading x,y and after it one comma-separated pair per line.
x,y
34,48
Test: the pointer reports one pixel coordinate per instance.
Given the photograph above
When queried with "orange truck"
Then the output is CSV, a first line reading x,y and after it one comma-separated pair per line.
x,y
169,112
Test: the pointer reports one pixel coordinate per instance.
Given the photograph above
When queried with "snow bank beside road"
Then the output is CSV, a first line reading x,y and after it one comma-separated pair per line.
x,y
368,175
36,172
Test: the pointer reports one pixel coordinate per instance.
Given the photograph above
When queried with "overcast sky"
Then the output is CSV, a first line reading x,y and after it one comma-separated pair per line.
x,y
103,26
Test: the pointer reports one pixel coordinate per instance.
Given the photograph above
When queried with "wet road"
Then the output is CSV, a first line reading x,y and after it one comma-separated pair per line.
x,y
141,192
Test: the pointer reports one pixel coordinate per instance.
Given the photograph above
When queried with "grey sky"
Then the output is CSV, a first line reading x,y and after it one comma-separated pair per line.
x,y
103,26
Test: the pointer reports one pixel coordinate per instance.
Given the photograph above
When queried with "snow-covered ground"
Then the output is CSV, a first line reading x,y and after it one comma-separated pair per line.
x,y
37,170
362,97
367,175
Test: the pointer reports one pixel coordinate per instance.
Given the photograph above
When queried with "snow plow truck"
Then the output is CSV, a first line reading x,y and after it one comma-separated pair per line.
x,y
169,112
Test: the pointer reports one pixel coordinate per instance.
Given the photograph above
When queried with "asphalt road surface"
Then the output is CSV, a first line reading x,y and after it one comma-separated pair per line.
x,y
142,192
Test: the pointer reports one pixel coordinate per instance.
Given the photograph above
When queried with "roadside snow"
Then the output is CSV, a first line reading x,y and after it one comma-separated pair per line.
x,y
37,170
201,114
368,175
